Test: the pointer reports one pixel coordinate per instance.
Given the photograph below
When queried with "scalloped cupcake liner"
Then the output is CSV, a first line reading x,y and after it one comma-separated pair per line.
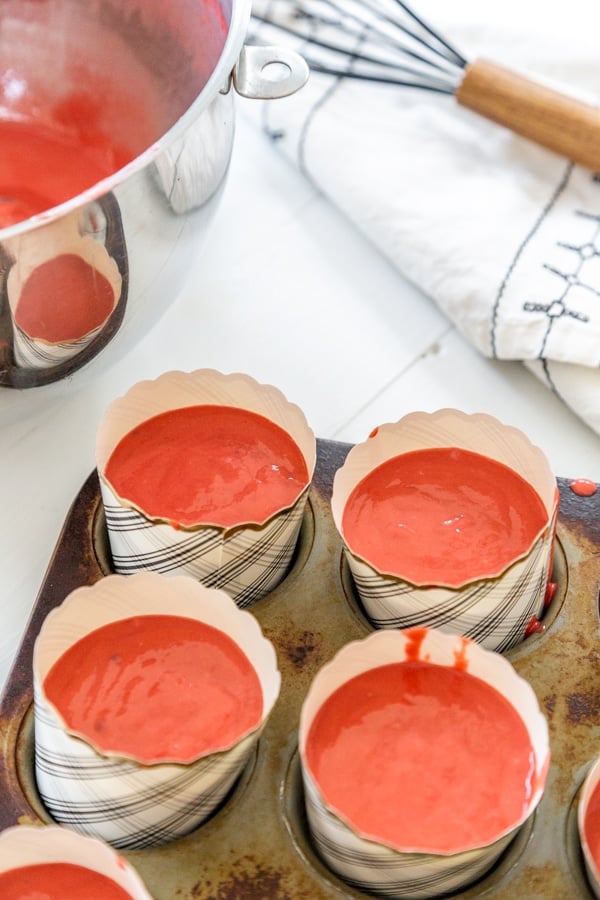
x,y
246,563
28,845
364,862
128,803
248,560
31,353
414,876
495,610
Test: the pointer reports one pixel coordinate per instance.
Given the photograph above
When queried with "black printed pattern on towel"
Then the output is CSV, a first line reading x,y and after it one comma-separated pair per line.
x,y
567,292
558,306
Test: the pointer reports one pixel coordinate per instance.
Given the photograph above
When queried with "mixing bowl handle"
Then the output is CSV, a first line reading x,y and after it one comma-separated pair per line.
x,y
266,73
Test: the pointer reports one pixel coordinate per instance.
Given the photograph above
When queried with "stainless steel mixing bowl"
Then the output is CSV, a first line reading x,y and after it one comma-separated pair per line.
x,y
160,78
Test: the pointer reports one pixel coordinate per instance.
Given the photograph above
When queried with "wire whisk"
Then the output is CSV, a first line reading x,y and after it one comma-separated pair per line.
x,y
374,40
388,42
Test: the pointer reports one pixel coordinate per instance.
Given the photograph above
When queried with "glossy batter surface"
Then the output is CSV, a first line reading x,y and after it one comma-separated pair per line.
x,y
157,688
63,299
422,756
442,515
58,881
42,165
208,464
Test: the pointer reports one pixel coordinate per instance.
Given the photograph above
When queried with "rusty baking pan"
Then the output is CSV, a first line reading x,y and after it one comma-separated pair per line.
x,y
257,845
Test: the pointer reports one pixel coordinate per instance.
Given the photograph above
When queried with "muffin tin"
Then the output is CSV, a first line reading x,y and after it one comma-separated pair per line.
x,y
257,845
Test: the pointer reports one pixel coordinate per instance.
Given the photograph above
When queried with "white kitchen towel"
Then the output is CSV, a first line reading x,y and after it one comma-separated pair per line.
x,y
503,234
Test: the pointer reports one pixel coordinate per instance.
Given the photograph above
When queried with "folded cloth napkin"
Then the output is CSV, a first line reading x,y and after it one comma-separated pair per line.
x,y
503,234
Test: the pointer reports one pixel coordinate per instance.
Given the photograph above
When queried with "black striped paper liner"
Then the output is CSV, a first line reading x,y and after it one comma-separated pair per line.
x,y
495,609
127,804
378,869
246,562
590,860
366,862
32,353
495,612
116,797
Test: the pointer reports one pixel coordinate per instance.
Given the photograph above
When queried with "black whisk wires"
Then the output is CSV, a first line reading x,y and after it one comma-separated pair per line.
x,y
386,41
372,40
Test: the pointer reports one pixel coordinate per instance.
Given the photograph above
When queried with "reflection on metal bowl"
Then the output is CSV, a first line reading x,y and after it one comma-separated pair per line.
x,y
147,87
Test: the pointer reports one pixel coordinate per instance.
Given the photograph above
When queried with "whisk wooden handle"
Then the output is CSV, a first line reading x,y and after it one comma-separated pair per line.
x,y
558,122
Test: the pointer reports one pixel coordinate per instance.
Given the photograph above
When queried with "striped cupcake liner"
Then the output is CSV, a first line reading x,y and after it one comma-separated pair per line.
x,y
495,610
365,863
591,862
31,353
25,845
129,805
388,873
126,802
246,562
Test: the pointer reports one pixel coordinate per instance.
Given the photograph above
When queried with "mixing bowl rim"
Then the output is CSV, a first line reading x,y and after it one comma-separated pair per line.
x,y
236,34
